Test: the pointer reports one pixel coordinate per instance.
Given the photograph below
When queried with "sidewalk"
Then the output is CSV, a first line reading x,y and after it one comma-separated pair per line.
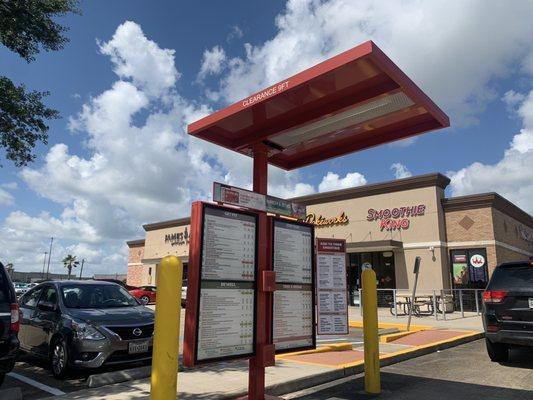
x,y
471,321
297,371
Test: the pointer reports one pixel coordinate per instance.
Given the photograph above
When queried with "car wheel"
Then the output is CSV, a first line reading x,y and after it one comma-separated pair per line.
x,y
2,377
498,352
59,358
145,299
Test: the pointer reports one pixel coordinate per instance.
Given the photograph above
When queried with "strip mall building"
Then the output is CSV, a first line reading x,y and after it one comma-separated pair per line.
x,y
386,225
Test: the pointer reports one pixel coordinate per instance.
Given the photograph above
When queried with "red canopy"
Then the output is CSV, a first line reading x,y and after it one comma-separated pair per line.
x,y
353,101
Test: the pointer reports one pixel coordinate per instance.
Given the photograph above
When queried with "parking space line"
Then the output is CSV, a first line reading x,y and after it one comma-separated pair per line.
x,y
38,385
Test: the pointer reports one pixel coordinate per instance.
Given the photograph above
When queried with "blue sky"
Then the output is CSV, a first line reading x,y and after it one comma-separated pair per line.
x,y
133,75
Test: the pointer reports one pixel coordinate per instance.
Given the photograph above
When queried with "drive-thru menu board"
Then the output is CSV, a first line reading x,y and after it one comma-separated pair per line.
x,y
331,287
294,307
227,284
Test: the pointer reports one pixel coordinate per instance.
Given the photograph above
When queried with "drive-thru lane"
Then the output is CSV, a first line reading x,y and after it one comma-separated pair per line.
x,y
462,372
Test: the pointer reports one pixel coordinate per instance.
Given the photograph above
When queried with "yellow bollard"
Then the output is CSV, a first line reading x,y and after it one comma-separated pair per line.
x,y
164,378
370,332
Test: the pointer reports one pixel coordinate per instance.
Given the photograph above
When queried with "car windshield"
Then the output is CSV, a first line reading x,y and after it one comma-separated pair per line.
x,y
518,276
96,296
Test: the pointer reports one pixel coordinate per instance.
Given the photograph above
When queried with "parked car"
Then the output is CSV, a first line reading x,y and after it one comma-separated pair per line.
x,y
508,309
20,288
9,324
145,294
85,324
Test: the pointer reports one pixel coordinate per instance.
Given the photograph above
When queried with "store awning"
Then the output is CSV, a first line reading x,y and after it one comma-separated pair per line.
x,y
373,245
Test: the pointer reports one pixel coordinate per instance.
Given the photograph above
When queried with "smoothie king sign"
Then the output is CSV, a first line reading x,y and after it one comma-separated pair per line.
x,y
395,218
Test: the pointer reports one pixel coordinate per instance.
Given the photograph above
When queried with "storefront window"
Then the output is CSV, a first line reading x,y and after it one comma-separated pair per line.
x,y
469,268
381,262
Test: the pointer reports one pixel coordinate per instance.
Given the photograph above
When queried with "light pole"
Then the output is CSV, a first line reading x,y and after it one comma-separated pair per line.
x,y
44,263
81,269
49,256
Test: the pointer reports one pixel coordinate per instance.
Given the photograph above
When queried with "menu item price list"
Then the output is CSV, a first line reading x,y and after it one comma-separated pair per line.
x,y
226,319
229,241
293,316
293,252
331,287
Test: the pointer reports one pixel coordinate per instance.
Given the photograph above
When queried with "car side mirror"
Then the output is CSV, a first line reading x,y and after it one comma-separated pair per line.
x,y
46,306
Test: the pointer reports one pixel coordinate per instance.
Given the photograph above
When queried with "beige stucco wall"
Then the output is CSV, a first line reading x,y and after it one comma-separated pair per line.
x,y
156,247
424,231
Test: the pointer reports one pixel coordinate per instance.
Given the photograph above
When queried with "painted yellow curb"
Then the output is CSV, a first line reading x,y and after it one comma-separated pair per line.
x,y
386,325
393,336
322,349
384,356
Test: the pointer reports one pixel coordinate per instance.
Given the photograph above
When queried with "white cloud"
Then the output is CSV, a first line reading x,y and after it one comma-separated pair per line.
x,y
512,176
235,33
332,181
136,57
400,171
7,198
135,172
9,185
449,48
212,62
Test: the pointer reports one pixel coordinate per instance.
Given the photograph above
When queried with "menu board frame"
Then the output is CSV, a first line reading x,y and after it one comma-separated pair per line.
x,y
195,285
271,221
336,246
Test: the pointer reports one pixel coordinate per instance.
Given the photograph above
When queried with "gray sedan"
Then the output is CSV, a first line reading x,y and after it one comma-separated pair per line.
x,y
85,324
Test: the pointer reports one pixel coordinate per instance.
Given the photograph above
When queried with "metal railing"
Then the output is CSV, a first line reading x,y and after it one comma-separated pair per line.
x,y
438,303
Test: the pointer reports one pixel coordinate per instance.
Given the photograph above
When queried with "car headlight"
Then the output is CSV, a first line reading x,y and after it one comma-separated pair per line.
x,y
86,331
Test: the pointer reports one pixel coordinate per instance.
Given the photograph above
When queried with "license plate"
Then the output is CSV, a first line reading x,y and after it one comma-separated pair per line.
x,y
530,303
140,347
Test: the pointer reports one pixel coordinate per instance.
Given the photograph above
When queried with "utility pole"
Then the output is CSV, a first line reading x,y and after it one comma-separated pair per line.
x,y
44,263
81,269
49,256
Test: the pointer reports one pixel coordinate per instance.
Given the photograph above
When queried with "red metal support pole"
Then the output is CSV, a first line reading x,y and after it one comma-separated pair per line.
x,y
264,349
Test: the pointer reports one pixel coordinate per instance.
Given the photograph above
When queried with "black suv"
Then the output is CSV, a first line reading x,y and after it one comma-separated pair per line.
x,y
508,309
9,324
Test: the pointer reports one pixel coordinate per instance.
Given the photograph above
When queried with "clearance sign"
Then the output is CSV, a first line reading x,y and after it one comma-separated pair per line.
x,y
395,218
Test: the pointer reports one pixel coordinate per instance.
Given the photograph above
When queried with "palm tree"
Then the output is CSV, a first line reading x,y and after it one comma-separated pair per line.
x,y
70,262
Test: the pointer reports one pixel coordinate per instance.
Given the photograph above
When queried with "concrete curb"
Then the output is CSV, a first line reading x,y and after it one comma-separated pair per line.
x,y
108,378
329,376
315,380
295,385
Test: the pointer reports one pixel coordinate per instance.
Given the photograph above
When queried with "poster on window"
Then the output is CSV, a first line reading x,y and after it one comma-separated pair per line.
x,y
460,269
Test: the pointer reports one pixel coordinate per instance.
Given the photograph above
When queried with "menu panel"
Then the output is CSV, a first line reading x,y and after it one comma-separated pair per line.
x,y
294,309
293,252
228,245
293,316
227,333
331,287
226,311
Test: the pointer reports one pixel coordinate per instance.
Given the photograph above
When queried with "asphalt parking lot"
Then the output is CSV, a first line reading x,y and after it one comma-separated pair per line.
x,y
462,372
